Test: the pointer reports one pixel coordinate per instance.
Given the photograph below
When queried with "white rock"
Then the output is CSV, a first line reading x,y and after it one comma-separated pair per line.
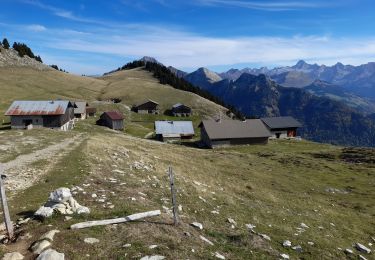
x,y
44,212
153,257
362,248
197,225
40,246
215,212
348,251
49,235
67,218
284,256
362,257
13,256
287,243
206,240
180,208
94,195
51,254
231,221
153,246
91,240
303,225
297,248
264,236
219,256
310,243
60,195
127,245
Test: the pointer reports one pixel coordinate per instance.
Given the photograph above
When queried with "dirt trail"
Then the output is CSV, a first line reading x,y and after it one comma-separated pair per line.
x,y
21,175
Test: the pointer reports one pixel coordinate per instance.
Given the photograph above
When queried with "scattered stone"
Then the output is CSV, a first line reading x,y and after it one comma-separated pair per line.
x,y
180,208
333,225
250,227
44,212
310,243
362,248
23,221
303,225
153,257
362,257
60,195
265,237
284,256
197,225
187,234
127,245
153,246
13,256
67,218
297,248
91,240
218,255
215,212
40,246
348,251
49,235
206,240
94,195
51,254
287,243
231,221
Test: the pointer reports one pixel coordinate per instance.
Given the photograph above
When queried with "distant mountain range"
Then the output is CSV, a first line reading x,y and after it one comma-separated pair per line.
x,y
331,111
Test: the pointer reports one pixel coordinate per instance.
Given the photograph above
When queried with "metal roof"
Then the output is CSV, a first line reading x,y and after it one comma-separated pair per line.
x,y
281,122
81,107
174,128
233,129
114,115
38,108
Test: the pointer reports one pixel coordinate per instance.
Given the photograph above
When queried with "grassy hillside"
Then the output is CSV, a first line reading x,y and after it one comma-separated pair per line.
x,y
275,187
132,86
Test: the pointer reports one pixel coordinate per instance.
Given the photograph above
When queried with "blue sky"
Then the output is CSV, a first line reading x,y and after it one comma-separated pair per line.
x,y
92,37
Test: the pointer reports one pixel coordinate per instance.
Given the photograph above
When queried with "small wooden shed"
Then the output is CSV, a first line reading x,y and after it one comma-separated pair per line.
x,y
282,127
80,109
147,107
113,120
90,111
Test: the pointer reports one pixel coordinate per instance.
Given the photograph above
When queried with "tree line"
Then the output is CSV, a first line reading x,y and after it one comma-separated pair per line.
x,y
22,49
165,76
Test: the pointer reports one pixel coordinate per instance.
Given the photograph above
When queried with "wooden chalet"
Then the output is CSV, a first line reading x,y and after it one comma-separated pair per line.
x,y
174,130
147,107
282,127
58,114
233,132
181,110
112,119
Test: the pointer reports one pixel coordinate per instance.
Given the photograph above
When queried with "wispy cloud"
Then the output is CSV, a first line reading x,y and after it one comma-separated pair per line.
x,y
264,5
36,28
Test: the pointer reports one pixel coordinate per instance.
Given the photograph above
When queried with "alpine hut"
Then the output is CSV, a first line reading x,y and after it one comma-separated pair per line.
x,y
55,114
233,132
174,130
112,119
282,127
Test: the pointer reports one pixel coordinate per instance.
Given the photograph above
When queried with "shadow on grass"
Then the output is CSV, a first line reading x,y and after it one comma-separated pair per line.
x,y
5,128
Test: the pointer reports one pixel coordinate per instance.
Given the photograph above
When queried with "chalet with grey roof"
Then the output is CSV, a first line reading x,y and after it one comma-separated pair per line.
x,y
282,127
55,114
181,110
80,110
112,119
233,132
174,130
146,107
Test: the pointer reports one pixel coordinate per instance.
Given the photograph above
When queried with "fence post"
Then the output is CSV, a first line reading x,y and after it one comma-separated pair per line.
x,y
4,203
173,192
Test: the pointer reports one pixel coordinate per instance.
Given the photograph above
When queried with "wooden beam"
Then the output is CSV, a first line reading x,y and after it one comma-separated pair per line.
x,y
173,192
4,203
116,220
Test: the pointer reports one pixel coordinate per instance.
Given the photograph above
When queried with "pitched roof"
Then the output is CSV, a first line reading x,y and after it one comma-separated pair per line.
x,y
146,101
281,122
114,115
179,105
174,128
81,107
38,108
233,129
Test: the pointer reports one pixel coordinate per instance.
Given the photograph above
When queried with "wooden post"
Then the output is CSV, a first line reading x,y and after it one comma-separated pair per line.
x,y
173,191
4,203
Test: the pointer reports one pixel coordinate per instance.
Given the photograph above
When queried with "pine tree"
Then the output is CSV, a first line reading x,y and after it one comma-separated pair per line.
x,y
6,43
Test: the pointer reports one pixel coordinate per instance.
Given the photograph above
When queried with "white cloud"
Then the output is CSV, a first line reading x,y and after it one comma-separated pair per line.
x,y
263,5
36,28
185,50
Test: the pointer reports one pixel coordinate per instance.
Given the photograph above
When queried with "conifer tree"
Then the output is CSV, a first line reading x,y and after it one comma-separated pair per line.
x,y
6,43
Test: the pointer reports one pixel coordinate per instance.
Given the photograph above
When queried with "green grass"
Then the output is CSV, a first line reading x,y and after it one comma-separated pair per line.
x,y
275,187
